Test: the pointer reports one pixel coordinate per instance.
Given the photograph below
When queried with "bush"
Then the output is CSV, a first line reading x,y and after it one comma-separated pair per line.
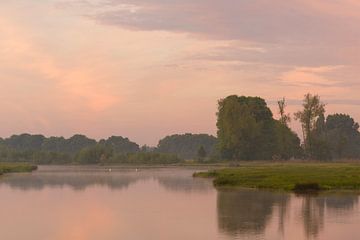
x,y
306,187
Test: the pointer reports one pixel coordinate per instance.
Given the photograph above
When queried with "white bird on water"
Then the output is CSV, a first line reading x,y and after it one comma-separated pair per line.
x,y
109,169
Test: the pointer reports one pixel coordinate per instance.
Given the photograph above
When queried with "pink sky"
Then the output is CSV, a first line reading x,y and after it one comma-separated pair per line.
x,y
148,68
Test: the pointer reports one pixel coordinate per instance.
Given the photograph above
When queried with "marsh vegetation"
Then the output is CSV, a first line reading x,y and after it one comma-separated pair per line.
x,y
16,167
289,176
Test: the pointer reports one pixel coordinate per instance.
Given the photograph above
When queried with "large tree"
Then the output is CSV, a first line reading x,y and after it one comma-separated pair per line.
x,y
246,129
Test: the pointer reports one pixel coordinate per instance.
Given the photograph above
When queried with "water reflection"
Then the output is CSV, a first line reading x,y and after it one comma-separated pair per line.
x,y
76,181
244,213
181,184
128,204
247,211
163,204
118,179
314,208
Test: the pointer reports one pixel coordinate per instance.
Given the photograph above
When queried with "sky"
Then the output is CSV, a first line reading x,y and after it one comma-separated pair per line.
x,y
145,69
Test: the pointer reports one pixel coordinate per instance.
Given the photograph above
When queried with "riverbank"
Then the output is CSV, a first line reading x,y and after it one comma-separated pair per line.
x,y
16,167
289,176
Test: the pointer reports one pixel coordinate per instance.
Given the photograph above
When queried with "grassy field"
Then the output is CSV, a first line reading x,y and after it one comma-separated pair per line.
x,y
289,176
16,167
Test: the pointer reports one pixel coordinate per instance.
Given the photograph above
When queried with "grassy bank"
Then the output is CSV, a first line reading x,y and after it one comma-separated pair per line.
x,y
16,167
289,176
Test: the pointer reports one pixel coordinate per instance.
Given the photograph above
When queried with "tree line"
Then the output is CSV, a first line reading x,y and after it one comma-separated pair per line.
x,y
80,149
247,130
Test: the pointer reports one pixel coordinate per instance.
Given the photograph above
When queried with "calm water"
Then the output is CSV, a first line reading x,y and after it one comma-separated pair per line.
x,y
62,203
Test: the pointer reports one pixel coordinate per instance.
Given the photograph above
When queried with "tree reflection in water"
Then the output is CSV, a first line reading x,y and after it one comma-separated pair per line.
x,y
246,213
240,213
170,179
313,210
316,208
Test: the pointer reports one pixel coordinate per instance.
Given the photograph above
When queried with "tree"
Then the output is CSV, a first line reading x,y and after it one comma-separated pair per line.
x,y
187,145
120,144
201,154
246,129
284,118
94,154
288,142
342,135
313,108
25,141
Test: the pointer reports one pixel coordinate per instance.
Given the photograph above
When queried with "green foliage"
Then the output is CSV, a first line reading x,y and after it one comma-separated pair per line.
x,y
57,150
145,158
120,144
286,176
153,158
78,142
337,137
288,143
187,145
95,154
25,142
16,167
247,131
201,154
313,109
55,144
8,154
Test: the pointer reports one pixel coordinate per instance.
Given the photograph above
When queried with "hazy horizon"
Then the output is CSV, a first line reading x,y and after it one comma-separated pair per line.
x,y
144,69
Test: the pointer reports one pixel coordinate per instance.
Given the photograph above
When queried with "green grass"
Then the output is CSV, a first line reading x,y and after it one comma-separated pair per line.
x,y
16,167
289,176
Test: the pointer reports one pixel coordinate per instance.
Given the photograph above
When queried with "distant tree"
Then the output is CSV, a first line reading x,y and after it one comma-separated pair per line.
x,y
146,148
313,108
25,141
152,158
55,144
201,154
94,154
78,142
120,144
187,145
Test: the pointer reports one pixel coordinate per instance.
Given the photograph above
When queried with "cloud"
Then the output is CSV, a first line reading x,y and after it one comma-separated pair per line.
x,y
78,85
310,76
298,21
